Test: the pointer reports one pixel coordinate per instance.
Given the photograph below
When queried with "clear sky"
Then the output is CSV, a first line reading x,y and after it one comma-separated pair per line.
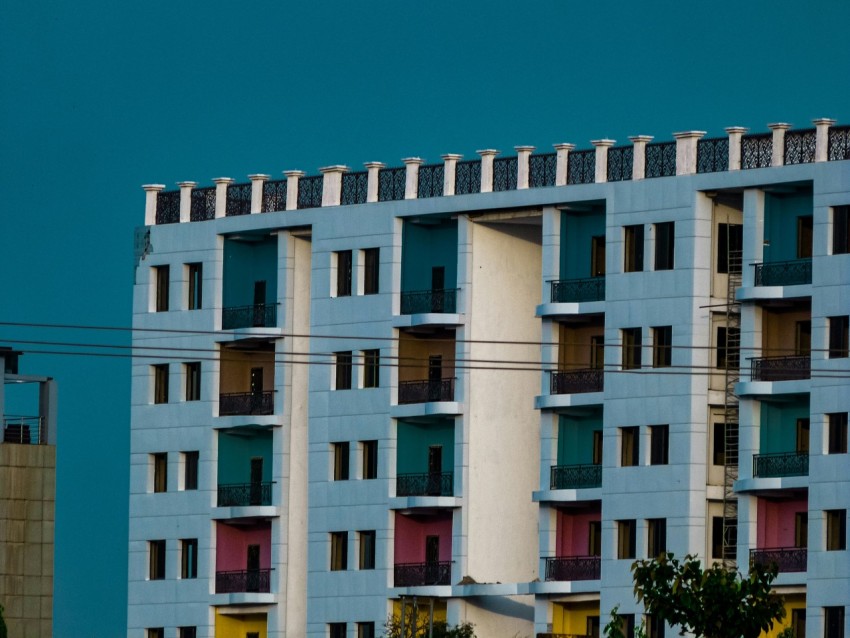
x,y
99,97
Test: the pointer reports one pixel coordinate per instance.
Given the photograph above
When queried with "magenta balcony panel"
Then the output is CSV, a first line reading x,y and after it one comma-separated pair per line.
x,y
779,522
243,547
573,531
421,539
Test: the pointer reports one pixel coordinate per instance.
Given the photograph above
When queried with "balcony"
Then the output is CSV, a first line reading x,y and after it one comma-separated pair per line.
x,y
576,381
784,273
781,464
245,494
252,580
246,403
428,484
786,559
429,301
254,316
575,477
781,368
562,636
422,574
426,391
24,430
573,568
578,290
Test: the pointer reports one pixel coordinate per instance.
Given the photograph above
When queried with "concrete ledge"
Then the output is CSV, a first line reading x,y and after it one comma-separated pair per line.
x,y
428,319
247,511
436,591
487,589
247,421
413,502
768,388
244,598
560,309
567,496
750,485
555,401
564,587
757,293
434,408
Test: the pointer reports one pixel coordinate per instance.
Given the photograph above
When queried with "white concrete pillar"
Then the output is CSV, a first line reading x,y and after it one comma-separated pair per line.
x,y
777,158
686,151
151,191
639,155
221,195
186,200
735,133
372,170
822,125
292,178
257,181
601,157
487,157
523,155
411,176
450,161
562,159
332,184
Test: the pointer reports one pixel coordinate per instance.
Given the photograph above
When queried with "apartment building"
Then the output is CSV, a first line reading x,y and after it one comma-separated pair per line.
x,y
478,390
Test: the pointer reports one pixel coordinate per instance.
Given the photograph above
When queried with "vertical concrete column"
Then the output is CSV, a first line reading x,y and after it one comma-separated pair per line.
x,y
372,169
186,200
639,155
778,156
450,161
601,157
221,184
753,234
151,191
257,181
822,125
686,151
292,178
561,161
523,154
331,184
411,176
487,157
735,133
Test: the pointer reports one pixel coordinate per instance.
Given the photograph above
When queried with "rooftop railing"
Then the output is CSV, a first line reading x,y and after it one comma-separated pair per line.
x,y
421,574
542,169
573,567
505,174
168,207
391,184
581,168
713,155
274,195
800,146
354,188
620,163
788,368
468,177
310,191
779,464
784,273
757,150
575,477
660,159
203,204
24,430
786,559
431,181
238,200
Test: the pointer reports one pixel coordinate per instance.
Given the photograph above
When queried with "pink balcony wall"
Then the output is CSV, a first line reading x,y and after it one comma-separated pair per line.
x,y
410,533
232,546
572,534
776,522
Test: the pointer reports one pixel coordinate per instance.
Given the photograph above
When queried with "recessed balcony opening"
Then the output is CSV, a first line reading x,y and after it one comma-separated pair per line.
x,y
247,378
786,342
581,356
579,453
583,253
788,234
423,550
575,620
783,439
249,296
782,532
426,371
578,544
429,266
244,468
243,558
425,458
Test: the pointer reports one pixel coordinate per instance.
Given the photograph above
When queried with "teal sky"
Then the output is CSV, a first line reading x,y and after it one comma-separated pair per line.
x,y
97,98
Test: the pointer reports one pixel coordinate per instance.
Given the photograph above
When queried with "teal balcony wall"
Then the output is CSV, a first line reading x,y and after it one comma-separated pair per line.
x,y
425,247
235,453
414,440
576,233
245,263
575,439
780,224
778,431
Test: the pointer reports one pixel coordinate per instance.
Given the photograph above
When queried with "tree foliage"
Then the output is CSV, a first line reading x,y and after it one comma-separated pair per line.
x,y
420,629
713,603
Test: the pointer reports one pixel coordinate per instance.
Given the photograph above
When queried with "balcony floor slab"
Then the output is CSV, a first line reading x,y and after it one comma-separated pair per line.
x,y
432,408
246,511
564,309
567,496
430,502
428,319
556,401
770,485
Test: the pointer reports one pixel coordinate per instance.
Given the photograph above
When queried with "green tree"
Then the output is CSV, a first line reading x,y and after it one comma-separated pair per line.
x,y
420,629
711,603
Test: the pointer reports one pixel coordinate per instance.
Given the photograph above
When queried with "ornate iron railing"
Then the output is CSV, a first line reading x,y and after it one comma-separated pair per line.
x,y
416,302
427,484
575,477
504,174
781,464
620,163
577,381
431,177
244,494
310,191
262,315
274,195
781,368
468,177
800,146
581,167
541,170
757,150
420,574
578,290
426,391
250,580
551,635
203,204
838,145
238,199
391,182
354,188
660,159
235,403
25,430
168,207
713,155
786,559
573,567
784,273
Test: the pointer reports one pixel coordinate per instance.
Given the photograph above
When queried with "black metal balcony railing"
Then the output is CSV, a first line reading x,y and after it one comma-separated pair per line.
x,y
419,574
541,170
781,368
713,155
431,178
577,381
800,146
838,146
573,568
168,207
427,484
786,559
310,191
262,315
274,195
660,159
780,464
250,580
575,477
238,199
504,174
417,302
578,290
354,188
391,184
426,391
25,430
757,150
620,163
236,403
202,204
784,273
468,177
581,167
244,494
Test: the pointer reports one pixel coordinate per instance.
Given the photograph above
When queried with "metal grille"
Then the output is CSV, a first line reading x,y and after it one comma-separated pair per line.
x,y
427,484
578,290
391,184
235,403
573,568
577,381
800,146
785,559
255,316
274,195
310,191
781,368
784,273
839,143
541,169
713,155
425,301
24,430
426,391
431,177
468,177
781,464
238,199
620,163
168,207
354,188
757,150
575,477
581,167
660,159
251,580
203,204
418,574
504,174
244,494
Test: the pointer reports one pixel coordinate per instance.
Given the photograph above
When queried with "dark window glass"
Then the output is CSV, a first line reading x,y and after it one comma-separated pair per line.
x,y
838,335
730,243
833,626
662,346
836,530
597,447
840,230
631,348
805,227
803,338
190,470
156,632
367,549
160,383
370,270
656,537
339,551
798,622
837,424
365,630
341,454
659,444
801,529
188,632
195,299
802,431
717,537
594,538
160,472
189,558
627,625
156,556
370,459
664,244
343,273
654,626
193,381
626,539
371,368
718,451
161,278
597,256
633,258
597,352
343,370
630,446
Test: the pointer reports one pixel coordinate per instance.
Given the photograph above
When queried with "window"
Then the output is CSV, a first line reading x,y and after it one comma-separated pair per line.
x,y
801,529
664,242
365,630
343,371
371,368
340,451
631,348
592,627
190,470
626,539
596,458
805,226
193,380
627,625
189,558
187,632
371,263
803,338
367,549
160,471
837,435
337,630
730,244
656,537
343,273
659,444
724,433
339,551
160,383
161,276
654,626
594,538
597,352
840,230
629,446
156,560
633,257
833,622
662,346
717,537
194,291
156,632
728,347
370,459
597,256
798,622
836,530
838,335
802,431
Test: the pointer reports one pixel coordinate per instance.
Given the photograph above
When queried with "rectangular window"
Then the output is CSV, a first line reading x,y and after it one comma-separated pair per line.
x,y
805,228
662,346
160,471
597,352
371,368
343,273
718,447
371,264
194,299
339,551
656,537
728,347
370,459
838,335
161,276
187,632
798,622
343,371
802,432
190,470
156,560
840,230
626,539
837,435
803,338
155,632
193,380
597,256
596,458
629,446
633,257
341,453
337,630
664,244
189,558
717,537
654,626
833,622
631,338
365,630
160,383
367,549
627,625
836,530
801,529
659,444
594,538
730,244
